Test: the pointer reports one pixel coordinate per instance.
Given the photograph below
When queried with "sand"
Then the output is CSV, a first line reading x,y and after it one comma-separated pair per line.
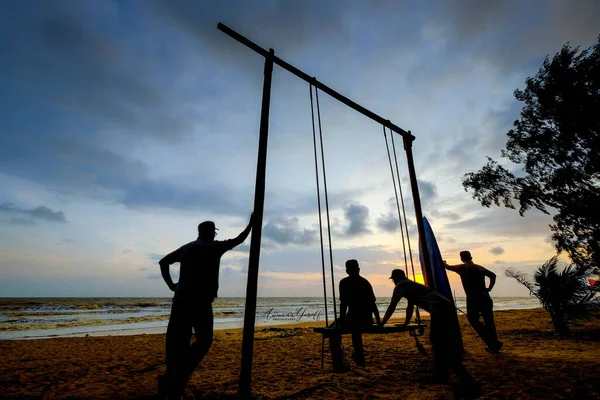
x,y
534,364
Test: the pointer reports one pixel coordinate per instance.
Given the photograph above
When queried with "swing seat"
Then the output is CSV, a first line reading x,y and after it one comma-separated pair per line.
x,y
416,329
334,334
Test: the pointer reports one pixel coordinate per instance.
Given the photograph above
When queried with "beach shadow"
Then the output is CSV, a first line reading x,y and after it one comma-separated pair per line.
x,y
588,334
148,369
585,333
302,393
531,332
198,395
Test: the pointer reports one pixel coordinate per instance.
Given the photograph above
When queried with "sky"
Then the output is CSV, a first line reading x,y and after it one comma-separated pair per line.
x,y
124,124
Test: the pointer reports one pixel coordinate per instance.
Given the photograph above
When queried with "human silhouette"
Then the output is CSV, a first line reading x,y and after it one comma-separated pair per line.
x,y
479,302
445,345
357,307
192,303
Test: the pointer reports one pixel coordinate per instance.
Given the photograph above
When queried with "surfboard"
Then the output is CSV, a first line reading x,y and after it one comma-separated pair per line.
x,y
436,278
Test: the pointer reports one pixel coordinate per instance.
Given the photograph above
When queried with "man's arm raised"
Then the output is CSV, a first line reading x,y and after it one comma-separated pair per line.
x,y
244,234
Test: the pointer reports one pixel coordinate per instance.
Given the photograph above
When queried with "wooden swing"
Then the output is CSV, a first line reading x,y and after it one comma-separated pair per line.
x,y
253,262
334,332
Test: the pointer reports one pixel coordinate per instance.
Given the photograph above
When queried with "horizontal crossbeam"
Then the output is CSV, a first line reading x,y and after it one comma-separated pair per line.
x,y
312,80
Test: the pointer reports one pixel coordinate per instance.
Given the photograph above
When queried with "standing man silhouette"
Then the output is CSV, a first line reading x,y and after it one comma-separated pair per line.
x,y
192,303
357,307
479,302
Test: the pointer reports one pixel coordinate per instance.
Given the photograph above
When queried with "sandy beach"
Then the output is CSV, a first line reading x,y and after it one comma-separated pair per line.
x,y
534,364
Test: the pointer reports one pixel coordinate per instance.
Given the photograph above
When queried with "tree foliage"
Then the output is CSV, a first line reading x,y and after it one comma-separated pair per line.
x,y
556,145
565,294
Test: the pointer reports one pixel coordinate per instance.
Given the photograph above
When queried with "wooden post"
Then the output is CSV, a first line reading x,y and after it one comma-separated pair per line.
x,y
253,262
338,356
418,211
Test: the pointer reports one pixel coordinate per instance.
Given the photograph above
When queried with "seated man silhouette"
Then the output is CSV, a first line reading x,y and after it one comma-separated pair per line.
x,y
357,307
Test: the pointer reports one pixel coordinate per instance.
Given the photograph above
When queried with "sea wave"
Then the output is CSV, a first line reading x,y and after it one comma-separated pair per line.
x,y
37,325
20,318
15,314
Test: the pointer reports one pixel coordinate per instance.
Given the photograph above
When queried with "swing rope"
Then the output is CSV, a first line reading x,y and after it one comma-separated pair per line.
x,y
412,265
312,107
319,203
335,318
396,189
403,209
325,191
387,146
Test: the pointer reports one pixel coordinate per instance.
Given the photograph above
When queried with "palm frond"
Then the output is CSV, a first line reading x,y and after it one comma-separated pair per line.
x,y
564,293
523,279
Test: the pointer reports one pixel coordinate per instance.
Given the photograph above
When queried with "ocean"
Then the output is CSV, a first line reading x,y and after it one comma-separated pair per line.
x,y
34,318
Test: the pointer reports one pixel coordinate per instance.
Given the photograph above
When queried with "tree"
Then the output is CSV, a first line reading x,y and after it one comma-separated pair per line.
x,y
556,146
565,294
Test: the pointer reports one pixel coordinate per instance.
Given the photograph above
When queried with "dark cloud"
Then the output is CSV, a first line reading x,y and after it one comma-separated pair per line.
x,y
287,26
388,222
82,62
286,230
427,191
473,144
29,216
452,216
77,168
93,86
357,219
45,213
80,76
150,193
499,262
497,250
244,248
22,221
504,35
509,33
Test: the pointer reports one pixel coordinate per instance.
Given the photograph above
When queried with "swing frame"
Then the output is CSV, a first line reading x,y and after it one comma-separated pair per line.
x,y
244,390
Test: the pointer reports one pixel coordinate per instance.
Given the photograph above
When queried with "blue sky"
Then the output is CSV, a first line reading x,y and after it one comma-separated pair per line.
x,y
123,124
